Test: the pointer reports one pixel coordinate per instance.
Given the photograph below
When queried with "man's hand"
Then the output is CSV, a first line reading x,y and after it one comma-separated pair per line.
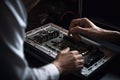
x,y
86,27
68,61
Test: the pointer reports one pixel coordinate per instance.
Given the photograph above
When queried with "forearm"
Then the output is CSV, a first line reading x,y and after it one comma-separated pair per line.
x,y
112,36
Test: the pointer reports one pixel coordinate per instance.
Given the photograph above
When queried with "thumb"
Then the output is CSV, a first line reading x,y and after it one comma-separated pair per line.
x,y
65,50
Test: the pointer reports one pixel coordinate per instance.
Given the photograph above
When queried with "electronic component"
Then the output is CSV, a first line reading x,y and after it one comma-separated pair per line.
x,y
50,39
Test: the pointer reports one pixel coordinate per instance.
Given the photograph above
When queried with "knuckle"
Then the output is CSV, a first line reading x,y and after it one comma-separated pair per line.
x,y
73,20
80,55
77,27
75,57
77,52
82,61
85,19
81,66
60,52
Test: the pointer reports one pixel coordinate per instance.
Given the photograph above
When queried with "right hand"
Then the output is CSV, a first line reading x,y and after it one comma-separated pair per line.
x,y
68,61
86,27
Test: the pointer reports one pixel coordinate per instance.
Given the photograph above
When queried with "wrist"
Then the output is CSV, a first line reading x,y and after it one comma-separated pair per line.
x,y
58,66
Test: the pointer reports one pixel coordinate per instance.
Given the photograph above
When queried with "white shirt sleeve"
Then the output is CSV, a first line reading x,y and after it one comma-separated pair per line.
x,y
13,65
49,70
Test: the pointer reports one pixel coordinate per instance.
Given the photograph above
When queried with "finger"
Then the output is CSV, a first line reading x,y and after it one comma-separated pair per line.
x,y
79,22
74,52
73,30
80,57
80,63
80,66
65,50
80,30
74,22
77,37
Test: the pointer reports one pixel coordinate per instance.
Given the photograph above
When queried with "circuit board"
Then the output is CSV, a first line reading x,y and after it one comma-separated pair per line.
x,y
50,39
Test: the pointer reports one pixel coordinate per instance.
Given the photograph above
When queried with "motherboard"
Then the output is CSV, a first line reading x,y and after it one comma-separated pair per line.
x,y
50,39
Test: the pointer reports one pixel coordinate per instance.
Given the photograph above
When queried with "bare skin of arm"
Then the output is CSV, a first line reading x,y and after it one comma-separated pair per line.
x,y
86,27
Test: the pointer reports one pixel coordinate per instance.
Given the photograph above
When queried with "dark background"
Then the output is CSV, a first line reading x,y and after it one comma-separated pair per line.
x,y
59,12
105,12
